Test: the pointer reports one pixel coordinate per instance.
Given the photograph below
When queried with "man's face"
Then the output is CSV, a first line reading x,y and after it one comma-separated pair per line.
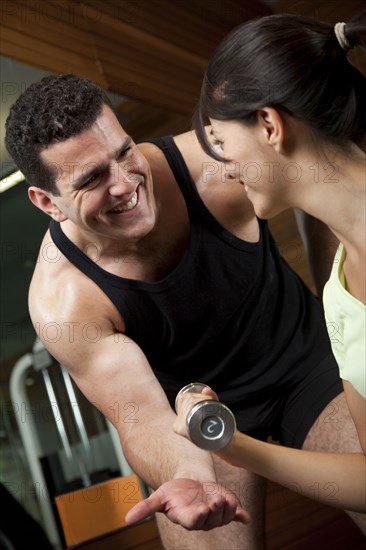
x,y
104,181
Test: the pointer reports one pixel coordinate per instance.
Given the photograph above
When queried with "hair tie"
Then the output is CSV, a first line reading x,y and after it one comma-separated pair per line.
x,y
339,31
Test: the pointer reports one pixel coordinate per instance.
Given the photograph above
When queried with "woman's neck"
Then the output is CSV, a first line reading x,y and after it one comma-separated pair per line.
x,y
334,191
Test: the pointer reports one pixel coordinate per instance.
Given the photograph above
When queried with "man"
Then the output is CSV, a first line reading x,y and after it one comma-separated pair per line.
x,y
182,283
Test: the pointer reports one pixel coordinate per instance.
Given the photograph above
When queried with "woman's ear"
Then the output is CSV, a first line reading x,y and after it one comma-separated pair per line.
x,y
273,128
45,201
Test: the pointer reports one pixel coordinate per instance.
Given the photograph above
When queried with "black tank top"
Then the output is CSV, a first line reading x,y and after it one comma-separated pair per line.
x,y
232,314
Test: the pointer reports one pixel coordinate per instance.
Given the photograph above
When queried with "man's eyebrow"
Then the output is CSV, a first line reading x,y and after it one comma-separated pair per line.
x,y
99,168
125,145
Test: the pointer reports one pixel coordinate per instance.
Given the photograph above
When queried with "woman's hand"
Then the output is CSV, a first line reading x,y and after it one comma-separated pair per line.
x,y
185,403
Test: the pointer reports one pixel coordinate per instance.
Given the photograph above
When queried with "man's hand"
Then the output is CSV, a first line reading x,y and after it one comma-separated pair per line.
x,y
191,504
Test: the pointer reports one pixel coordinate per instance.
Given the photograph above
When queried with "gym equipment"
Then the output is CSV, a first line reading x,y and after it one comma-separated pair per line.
x,y
67,443
211,425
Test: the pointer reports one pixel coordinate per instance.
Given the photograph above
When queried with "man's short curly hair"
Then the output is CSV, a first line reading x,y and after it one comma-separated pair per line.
x,y
51,110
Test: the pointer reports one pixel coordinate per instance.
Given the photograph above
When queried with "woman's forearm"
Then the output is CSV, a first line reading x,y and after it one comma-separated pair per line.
x,y
336,479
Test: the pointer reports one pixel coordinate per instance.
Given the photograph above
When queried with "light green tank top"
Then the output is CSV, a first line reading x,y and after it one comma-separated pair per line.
x,y
346,323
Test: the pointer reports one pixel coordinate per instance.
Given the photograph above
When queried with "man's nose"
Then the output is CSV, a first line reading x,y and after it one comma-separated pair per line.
x,y
122,180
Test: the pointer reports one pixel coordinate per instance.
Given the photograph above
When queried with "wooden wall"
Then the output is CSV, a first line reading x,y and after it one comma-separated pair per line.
x,y
151,50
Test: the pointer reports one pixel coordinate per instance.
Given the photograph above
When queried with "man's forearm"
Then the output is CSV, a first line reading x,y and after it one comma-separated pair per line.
x,y
158,455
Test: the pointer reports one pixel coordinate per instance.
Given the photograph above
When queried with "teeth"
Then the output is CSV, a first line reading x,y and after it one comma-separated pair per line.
x,y
127,206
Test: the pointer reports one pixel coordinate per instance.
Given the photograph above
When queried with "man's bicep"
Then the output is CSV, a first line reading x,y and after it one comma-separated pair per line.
x,y
117,378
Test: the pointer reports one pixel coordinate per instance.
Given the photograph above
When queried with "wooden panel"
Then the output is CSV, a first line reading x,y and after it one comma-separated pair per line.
x,y
294,522
45,61
38,48
88,513
144,536
329,10
131,59
134,85
134,34
123,49
194,25
285,232
153,51
143,121
68,37
34,34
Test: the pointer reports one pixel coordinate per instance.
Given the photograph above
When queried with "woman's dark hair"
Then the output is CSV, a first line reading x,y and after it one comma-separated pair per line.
x,y
51,110
294,64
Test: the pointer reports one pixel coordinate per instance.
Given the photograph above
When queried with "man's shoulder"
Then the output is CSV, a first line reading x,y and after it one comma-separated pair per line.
x,y
198,163
157,162
59,290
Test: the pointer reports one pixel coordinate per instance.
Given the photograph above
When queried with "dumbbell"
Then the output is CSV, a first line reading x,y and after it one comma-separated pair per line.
x,y
210,424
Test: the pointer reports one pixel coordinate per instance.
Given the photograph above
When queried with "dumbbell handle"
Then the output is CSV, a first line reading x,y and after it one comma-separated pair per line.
x,y
210,424
194,387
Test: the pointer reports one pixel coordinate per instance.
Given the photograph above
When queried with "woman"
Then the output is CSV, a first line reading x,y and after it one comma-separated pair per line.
x,y
287,112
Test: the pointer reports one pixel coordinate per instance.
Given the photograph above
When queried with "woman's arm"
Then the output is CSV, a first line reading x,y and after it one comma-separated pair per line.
x,y
343,474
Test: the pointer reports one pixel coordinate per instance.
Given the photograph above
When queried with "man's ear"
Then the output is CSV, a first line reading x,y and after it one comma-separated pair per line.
x,y
273,128
45,201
